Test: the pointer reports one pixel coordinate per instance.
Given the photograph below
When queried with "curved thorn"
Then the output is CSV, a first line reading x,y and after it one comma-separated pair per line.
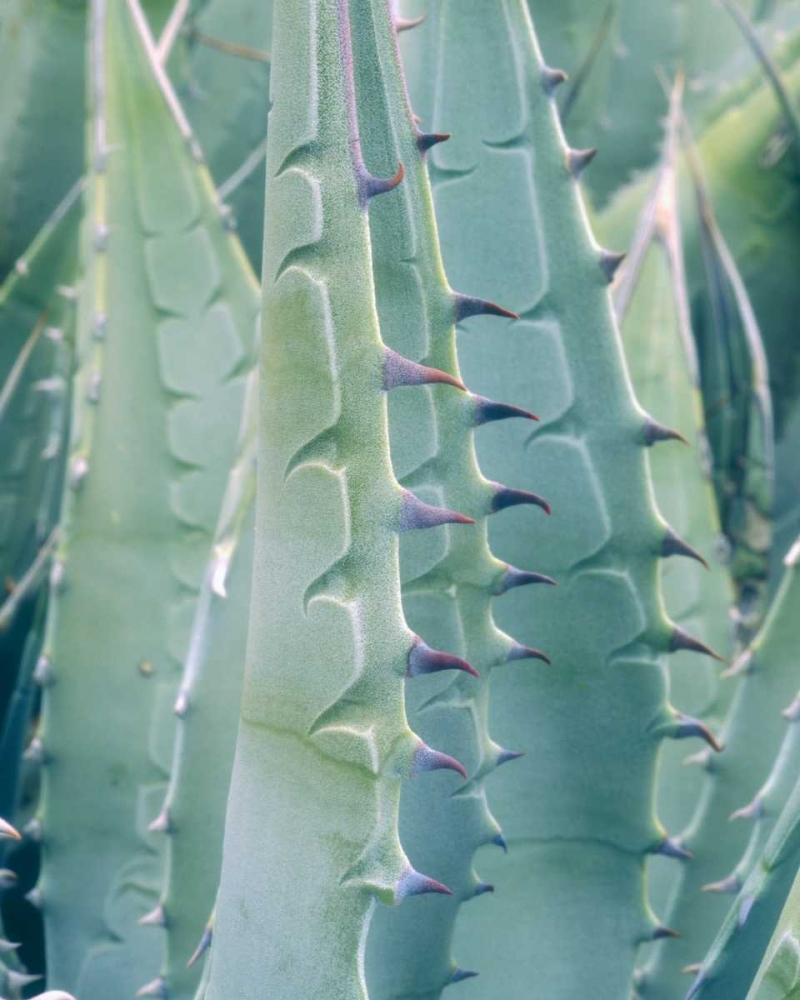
x,y
672,545
162,823
424,660
157,917
655,433
505,496
743,664
461,974
415,514
579,159
155,988
671,847
425,140
427,759
483,887
687,727
19,980
372,186
514,577
466,306
753,810
8,946
610,263
552,78
731,884
399,371
664,932
504,756
407,23
680,639
487,411
500,841
520,652
412,883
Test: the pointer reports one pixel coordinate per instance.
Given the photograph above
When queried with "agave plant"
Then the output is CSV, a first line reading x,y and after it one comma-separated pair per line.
x,y
303,694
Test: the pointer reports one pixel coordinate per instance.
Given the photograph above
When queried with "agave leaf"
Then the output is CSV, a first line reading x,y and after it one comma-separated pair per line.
x,y
653,308
323,723
752,739
742,941
166,318
450,583
513,229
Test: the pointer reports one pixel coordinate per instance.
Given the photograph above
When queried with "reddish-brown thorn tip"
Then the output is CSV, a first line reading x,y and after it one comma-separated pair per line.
x,y
399,371
424,660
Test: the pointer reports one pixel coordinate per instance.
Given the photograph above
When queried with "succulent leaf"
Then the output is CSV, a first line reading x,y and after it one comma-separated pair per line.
x,y
323,723
728,849
166,320
501,184
743,939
